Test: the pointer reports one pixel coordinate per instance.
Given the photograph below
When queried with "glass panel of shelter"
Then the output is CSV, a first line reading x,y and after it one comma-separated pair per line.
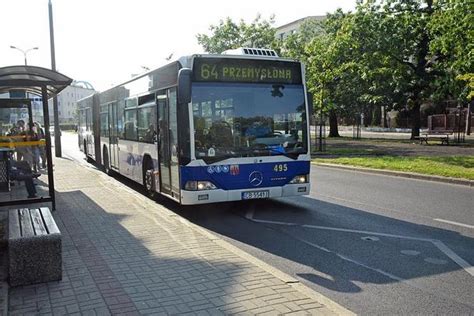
x,y
23,163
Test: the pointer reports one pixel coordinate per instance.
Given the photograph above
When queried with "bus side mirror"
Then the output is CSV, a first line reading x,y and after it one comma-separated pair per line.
x,y
184,86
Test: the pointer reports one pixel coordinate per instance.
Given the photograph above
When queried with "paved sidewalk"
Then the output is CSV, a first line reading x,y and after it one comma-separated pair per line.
x,y
126,254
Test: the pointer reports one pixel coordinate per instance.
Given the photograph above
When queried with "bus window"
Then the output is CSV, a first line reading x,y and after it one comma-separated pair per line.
x,y
131,124
120,125
147,124
104,125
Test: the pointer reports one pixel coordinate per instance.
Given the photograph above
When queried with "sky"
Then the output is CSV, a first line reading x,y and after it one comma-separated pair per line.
x,y
105,42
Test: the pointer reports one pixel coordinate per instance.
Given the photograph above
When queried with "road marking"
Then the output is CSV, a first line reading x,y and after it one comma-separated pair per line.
x,y
451,254
439,244
389,275
453,223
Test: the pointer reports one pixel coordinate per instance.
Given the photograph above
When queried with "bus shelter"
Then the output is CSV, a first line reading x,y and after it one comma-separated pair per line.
x,y
26,168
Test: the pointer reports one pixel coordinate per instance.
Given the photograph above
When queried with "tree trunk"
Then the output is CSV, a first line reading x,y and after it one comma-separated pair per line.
x,y
333,131
416,119
367,117
376,116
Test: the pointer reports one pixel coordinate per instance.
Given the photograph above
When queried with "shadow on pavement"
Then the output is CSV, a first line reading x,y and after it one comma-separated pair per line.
x,y
333,255
119,261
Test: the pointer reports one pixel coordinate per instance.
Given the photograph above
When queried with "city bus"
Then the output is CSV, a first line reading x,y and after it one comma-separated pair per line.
x,y
205,128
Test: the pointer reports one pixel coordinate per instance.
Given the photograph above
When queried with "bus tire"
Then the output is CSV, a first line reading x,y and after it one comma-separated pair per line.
x,y
106,161
148,177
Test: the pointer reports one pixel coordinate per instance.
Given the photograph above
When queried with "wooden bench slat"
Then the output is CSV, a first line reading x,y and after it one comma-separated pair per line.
x,y
25,223
14,224
49,222
38,224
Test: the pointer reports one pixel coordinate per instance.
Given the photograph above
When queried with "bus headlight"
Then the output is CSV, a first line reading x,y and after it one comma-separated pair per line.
x,y
300,179
199,186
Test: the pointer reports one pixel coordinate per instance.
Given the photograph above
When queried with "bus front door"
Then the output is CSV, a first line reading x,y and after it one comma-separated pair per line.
x,y
164,153
113,140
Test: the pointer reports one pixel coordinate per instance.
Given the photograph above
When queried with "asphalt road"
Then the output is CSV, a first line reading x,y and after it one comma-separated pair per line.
x,y
374,244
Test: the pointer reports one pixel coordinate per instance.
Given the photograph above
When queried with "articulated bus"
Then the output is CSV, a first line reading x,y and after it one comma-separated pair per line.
x,y
206,128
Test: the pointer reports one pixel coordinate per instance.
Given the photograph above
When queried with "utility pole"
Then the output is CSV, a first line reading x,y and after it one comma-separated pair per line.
x,y
57,131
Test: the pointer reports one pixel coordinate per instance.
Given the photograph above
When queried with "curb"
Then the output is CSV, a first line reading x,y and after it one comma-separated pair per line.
x,y
402,174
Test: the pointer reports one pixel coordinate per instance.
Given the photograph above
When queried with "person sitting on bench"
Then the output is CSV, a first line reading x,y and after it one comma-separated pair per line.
x,y
21,171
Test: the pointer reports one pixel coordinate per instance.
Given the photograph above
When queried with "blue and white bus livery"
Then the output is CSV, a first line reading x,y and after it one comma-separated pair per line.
x,y
206,128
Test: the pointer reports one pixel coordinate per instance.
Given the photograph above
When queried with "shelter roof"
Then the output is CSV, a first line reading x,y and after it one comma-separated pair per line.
x,y
32,79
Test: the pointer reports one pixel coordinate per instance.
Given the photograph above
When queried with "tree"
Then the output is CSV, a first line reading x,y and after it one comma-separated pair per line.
x,y
332,70
294,45
399,33
230,35
452,30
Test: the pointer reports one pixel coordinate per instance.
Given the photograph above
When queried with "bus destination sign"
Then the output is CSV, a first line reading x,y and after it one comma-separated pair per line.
x,y
246,70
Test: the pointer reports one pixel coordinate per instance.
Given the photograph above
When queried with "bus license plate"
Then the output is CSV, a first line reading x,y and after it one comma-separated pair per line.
x,y
255,195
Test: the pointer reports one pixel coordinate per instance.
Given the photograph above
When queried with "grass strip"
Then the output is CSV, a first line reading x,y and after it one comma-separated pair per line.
x,y
450,166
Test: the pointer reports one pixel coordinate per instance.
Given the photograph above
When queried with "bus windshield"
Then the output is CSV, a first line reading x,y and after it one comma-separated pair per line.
x,y
246,119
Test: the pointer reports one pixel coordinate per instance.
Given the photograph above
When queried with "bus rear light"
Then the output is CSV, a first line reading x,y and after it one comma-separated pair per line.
x,y
199,186
300,179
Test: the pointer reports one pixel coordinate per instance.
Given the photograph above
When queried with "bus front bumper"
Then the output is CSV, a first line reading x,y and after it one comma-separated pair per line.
x,y
212,196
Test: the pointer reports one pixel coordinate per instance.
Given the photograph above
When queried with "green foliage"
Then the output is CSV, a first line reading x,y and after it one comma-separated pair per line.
x,y
469,78
452,45
294,45
229,35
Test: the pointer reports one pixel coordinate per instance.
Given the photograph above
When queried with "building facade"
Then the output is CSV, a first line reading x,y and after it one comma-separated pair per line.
x,y
67,101
284,31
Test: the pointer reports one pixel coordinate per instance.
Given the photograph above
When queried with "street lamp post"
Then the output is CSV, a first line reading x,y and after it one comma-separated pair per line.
x,y
24,51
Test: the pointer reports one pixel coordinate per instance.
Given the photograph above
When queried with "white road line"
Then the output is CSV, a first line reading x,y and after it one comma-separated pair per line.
x,y
466,266
453,256
343,230
389,275
367,232
453,223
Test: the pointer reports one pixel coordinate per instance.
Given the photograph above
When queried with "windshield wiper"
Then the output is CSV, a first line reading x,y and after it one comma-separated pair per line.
x,y
267,149
293,156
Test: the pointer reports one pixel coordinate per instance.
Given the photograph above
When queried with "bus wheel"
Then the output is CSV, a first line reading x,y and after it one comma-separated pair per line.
x,y
107,169
85,152
148,177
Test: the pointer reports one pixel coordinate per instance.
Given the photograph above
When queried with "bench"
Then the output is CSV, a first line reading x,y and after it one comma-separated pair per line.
x,y
442,136
34,247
